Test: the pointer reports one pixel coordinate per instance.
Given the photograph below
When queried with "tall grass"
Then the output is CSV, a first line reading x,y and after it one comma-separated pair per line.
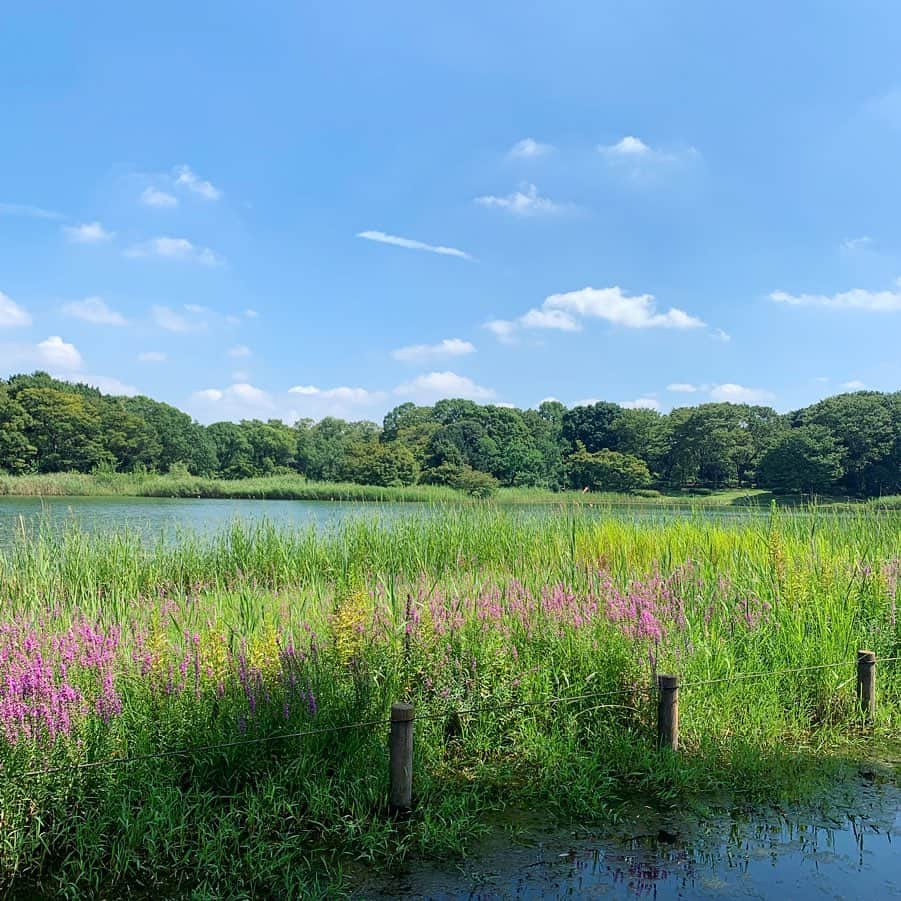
x,y
260,631
296,487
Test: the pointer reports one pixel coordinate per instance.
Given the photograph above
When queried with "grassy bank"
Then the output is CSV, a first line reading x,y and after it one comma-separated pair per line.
x,y
111,649
296,487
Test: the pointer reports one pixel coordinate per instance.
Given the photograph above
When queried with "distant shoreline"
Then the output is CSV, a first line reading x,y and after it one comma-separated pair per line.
x,y
291,487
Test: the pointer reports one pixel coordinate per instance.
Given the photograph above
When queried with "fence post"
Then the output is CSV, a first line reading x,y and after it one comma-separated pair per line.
x,y
866,683
400,798
668,712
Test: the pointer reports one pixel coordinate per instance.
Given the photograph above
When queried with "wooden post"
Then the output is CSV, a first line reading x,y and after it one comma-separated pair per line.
x,y
400,798
668,712
866,683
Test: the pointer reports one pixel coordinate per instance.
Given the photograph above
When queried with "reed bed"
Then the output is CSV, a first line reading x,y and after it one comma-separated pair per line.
x,y
112,647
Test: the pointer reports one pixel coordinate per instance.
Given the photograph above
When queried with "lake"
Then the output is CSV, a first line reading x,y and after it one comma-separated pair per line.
x,y
154,517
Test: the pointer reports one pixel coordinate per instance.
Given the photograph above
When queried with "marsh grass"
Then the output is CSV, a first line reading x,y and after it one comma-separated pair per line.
x,y
260,631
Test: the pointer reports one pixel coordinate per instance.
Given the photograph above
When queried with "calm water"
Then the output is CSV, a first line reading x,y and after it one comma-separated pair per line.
x,y
847,849
165,516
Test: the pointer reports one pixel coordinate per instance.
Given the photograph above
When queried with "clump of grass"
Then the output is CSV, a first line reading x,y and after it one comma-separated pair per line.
x,y
112,647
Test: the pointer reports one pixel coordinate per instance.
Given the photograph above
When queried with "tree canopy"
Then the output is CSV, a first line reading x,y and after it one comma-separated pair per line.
x,y
850,443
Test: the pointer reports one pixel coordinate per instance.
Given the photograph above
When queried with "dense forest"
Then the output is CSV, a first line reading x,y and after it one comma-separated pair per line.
x,y
847,444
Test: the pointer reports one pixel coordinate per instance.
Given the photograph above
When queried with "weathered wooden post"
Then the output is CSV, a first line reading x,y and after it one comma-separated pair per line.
x,y
400,797
668,712
866,683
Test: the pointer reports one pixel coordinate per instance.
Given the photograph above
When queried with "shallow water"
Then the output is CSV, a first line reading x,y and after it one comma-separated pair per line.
x,y
844,846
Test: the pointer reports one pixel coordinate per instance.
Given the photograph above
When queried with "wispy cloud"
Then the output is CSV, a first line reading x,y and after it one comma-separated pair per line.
x,y
449,347
29,211
156,198
854,385
856,299
528,148
433,386
93,310
166,318
343,393
643,163
88,233
683,388
641,403
739,394
524,202
502,329
180,249
188,179
11,314
719,335
152,356
240,351
854,245
412,244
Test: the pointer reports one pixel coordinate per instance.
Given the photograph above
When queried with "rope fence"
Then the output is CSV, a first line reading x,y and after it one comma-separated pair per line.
x,y
403,717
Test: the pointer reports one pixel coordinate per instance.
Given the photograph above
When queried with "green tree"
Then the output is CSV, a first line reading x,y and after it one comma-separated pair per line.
x,y
17,454
606,470
804,459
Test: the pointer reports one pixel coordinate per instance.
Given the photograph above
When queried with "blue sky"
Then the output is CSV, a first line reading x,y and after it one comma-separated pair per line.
x,y
657,203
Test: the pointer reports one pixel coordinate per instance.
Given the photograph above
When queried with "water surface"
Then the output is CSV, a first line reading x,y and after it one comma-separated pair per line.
x,y
846,846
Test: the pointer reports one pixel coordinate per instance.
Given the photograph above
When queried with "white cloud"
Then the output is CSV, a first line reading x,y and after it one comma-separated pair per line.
x,y
87,233
502,329
627,146
739,394
525,202
152,356
528,148
854,385
186,178
641,403
342,393
433,386
851,245
54,353
614,306
412,244
28,210
641,162
564,312
855,299
174,249
197,308
553,319
449,347
239,351
719,335
109,385
93,310
251,314
238,400
166,318
11,314
160,199
211,394
683,388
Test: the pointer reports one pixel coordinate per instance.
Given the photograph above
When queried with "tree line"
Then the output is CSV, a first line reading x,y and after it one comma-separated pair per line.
x,y
849,443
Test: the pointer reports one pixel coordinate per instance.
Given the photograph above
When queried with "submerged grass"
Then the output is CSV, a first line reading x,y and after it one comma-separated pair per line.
x,y
113,648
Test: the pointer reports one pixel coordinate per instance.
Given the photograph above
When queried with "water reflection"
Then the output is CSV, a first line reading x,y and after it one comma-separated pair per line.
x,y
835,850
